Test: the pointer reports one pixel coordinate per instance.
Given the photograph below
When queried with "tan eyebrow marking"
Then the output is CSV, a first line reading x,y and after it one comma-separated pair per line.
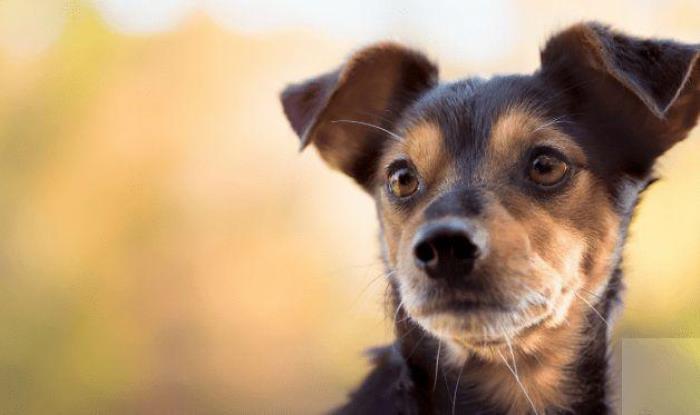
x,y
424,146
513,125
519,128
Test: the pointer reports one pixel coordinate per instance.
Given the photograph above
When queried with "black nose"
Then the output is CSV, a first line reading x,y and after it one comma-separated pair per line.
x,y
446,248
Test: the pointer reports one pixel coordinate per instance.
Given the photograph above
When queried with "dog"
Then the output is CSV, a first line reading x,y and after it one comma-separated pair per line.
x,y
503,206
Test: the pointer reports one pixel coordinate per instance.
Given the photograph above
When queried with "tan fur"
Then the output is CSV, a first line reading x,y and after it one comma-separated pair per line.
x,y
518,129
422,145
556,242
541,259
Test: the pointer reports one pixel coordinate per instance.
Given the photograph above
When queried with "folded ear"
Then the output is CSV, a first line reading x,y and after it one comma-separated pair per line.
x,y
640,95
348,114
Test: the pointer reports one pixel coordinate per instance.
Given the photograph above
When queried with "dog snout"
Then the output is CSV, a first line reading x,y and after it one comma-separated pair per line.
x,y
448,248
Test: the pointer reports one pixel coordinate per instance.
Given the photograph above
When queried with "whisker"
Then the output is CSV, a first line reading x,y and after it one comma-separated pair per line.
x,y
605,298
555,121
409,331
366,124
398,308
403,319
418,343
353,267
514,371
437,364
446,383
454,396
593,308
592,293
366,287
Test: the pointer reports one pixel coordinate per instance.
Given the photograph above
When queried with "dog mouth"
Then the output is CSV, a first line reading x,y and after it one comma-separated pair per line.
x,y
482,327
479,321
463,308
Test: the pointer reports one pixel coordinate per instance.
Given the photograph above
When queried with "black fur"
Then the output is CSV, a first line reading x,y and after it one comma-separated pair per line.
x,y
403,378
624,100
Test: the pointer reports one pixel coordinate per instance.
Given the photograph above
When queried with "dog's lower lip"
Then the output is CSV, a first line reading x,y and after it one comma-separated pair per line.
x,y
464,307
505,340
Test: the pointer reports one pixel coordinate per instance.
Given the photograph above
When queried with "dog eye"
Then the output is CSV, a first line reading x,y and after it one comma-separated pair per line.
x,y
403,182
547,170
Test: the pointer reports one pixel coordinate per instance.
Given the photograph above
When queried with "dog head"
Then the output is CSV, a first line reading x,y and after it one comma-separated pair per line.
x,y
501,200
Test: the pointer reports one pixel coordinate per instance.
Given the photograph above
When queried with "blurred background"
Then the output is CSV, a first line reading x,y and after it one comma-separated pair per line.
x,y
164,248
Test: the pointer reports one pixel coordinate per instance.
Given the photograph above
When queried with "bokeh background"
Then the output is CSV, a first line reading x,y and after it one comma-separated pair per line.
x,y
164,248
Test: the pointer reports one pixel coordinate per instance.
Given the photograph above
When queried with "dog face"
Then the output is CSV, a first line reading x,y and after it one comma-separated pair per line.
x,y
493,234
501,201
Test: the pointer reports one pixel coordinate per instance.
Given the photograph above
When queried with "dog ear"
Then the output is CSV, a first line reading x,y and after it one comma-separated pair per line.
x,y
348,113
640,96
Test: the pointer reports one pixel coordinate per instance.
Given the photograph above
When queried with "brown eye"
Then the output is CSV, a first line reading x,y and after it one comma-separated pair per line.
x,y
547,170
403,182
